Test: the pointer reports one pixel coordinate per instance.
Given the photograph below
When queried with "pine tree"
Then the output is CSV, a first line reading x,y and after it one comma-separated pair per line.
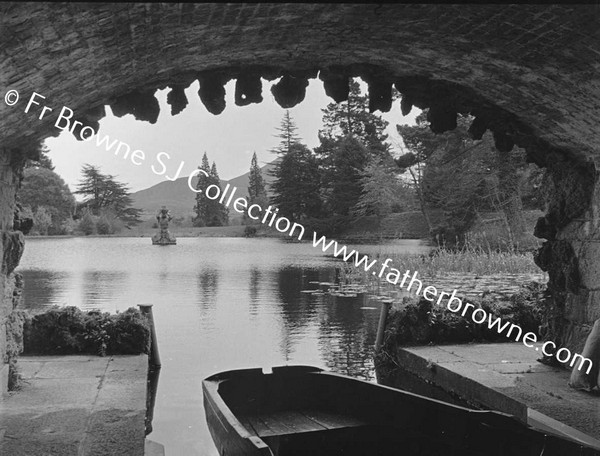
x,y
209,212
202,202
256,188
347,161
297,184
351,137
218,214
352,118
287,134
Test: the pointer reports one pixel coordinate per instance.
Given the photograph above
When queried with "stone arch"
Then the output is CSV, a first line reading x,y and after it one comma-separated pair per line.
x,y
528,73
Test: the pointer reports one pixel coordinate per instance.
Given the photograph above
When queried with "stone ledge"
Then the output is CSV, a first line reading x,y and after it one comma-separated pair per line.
x,y
503,377
76,406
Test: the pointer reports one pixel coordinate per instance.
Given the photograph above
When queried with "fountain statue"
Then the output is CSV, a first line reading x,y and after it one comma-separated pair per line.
x,y
163,237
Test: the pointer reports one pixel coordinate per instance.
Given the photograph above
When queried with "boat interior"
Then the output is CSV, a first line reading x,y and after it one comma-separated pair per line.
x,y
304,411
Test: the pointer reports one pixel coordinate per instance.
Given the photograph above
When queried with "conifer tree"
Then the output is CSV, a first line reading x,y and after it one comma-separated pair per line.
x,y
103,193
297,184
218,213
351,137
353,118
296,191
344,177
209,212
380,190
288,134
257,193
202,202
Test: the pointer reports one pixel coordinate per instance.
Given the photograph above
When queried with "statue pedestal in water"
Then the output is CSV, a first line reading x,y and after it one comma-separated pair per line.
x,y
163,237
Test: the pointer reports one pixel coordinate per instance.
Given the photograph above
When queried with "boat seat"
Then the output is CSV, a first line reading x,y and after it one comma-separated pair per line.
x,y
296,421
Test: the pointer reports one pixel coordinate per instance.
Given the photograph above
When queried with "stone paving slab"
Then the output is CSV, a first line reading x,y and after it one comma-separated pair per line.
x,y
507,377
76,406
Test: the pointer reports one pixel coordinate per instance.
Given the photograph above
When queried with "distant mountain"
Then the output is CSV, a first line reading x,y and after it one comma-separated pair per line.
x,y
180,200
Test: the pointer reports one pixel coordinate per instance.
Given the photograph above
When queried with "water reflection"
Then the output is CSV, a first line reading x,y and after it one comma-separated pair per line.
x,y
254,287
44,287
151,390
100,288
348,334
219,304
208,286
297,309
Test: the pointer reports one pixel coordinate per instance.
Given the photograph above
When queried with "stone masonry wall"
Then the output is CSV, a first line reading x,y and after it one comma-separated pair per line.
x,y
12,244
536,64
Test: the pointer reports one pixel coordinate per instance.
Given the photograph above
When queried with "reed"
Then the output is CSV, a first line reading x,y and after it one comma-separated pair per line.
x,y
469,260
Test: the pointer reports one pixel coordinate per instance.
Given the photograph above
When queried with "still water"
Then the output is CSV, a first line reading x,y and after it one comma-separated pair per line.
x,y
219,304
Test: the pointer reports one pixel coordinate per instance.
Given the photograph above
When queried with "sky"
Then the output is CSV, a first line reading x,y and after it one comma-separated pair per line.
x,y
229,139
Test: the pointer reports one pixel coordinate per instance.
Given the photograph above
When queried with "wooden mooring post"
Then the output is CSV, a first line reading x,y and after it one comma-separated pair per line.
x,y
385,310
146,309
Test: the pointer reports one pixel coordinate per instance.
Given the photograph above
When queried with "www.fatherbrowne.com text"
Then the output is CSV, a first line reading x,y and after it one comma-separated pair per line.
x,y
408,280
65,121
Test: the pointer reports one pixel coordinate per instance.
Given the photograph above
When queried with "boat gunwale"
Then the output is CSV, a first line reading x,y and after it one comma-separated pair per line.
x,y
212,396
505,420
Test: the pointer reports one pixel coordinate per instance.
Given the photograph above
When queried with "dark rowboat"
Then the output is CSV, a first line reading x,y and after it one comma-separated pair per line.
x,y
306,411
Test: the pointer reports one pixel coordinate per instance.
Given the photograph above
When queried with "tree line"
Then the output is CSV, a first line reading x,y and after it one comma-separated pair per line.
x,y
354,173
44,197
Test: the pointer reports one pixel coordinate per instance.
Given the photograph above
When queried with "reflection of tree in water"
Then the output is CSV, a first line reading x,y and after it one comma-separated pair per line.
x,y
256,278
208,285
42,288
347,336
297,308
100,288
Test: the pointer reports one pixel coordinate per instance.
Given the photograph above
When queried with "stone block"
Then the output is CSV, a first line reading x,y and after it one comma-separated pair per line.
x,y
592,307
43,433
575,335
28,369
583,309
5,298
3,380
466,380
81,411
3,341
589,264
114,429
83,368
72,392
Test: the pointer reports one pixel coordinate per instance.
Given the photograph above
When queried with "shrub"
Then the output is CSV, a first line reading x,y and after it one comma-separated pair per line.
x,y
250,231
179,221
42,220
104,226
129,333
87,225
65,227
68,330
330,226
422,322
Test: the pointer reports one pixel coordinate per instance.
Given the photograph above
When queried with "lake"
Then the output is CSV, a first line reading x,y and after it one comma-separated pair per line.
x,y
219,304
